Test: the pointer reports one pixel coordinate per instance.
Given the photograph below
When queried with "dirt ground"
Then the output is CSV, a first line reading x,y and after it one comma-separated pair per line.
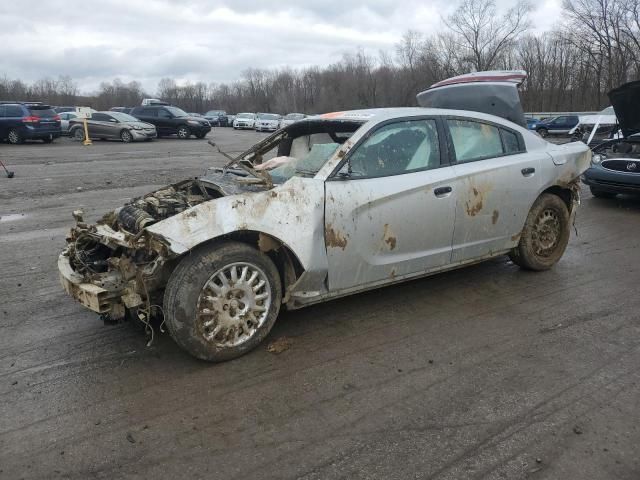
x,y
485,372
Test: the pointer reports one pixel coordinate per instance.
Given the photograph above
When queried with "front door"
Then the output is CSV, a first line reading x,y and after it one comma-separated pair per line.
x,y
391,212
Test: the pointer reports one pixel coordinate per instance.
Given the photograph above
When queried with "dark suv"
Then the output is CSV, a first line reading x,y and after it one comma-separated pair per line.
x,y
171,120
560,125
20,121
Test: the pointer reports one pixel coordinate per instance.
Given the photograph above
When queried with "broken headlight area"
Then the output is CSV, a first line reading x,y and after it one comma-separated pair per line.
x,y
115,267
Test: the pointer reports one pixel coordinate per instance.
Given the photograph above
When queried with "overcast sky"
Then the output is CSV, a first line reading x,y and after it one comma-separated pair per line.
x,y
208,40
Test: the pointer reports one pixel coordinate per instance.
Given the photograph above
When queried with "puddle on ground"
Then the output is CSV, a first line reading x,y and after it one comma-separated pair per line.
x,y
12,217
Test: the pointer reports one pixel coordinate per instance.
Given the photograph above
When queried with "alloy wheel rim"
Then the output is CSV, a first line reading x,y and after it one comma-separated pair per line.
x,y
546,233
182,133
233,304
13,137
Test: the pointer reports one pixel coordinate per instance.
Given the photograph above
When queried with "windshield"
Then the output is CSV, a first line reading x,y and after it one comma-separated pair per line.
x,y
307,165
177,112
268,116
245,115
294,116
123,117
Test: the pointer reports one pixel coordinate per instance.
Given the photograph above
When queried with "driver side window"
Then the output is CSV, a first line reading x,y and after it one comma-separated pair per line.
x,y
164,114
397,148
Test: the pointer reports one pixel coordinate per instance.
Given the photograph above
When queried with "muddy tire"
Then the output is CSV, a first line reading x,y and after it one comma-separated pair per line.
x,y
222,300
545,234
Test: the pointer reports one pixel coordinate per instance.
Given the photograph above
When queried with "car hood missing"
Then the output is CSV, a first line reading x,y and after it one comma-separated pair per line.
x,y
626,103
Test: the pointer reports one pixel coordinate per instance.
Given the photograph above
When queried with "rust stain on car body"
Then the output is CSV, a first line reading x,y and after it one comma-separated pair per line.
x,y
334,238
495,216
476,199
388,237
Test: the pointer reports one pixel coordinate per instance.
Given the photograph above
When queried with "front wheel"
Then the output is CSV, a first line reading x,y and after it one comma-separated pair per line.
x,y
125,136
545,235
543,132
222,300
184,132
201,135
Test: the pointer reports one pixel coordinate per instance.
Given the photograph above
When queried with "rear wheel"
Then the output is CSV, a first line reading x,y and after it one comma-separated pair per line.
x,y
125,136
184,132
47,140
545,234
14,137
600,194
222,300
78,135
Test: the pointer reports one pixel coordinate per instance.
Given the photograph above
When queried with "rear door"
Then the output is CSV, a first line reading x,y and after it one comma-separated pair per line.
x,y
496,183
393,214
99,125
166,122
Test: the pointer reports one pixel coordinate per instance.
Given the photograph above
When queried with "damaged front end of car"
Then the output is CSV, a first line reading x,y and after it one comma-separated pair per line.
x,y
115,267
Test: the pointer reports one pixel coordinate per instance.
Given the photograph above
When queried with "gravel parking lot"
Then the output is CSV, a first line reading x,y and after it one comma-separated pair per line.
x,y
485,372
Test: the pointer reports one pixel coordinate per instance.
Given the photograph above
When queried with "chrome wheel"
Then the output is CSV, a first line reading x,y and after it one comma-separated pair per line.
x,y
546,233
183,132
78,135
14,137
126,136
233,304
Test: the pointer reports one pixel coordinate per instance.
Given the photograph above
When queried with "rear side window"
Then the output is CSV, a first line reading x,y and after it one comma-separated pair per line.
x,y
100,117
147,112
474,140
511,142
13,111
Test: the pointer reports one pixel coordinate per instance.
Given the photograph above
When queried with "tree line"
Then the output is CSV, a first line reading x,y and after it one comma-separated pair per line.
x,y
594,47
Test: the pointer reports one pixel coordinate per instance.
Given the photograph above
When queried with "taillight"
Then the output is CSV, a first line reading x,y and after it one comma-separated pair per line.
x,y
31,119
56,118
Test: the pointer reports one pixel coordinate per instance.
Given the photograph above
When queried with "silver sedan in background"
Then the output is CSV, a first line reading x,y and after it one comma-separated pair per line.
x,y
113,126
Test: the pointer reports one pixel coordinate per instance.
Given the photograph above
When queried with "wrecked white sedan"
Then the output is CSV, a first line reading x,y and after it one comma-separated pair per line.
x,y
327,207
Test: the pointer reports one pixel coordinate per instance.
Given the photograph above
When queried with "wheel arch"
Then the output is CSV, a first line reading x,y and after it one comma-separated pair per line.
x,y
285,259
566,194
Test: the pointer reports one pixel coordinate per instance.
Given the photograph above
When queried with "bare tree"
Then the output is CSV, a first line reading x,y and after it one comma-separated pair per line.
x,y
484,35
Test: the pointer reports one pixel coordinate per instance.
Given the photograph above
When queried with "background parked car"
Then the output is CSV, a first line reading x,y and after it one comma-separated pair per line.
x,y
267,122
290,118
532,123
64,109
121,109
171,120
244,120
230,120
64,121
218,118
112,125
20,121
560,125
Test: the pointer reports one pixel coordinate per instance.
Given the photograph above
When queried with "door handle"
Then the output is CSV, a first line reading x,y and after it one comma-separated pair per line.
x,y
442,191
528,172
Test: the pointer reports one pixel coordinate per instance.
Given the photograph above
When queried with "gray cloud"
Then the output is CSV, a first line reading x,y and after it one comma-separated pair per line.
x,y
207,40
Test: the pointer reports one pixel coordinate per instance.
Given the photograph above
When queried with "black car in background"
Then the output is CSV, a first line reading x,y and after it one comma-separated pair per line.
x,y
218,118
121,109
171,120
20,121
